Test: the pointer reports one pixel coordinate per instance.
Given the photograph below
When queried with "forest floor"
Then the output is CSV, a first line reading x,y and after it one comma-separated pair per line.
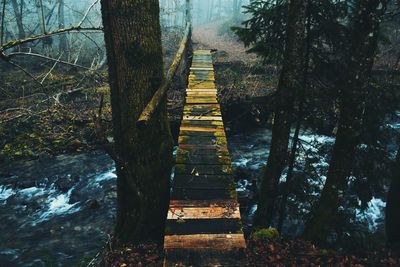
x,y
262,251
64,110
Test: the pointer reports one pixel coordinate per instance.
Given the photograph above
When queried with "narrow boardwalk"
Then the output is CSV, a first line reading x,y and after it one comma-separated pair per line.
x,y
203,226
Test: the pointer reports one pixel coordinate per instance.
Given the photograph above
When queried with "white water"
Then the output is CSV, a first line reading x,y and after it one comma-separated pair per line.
x,y
373,215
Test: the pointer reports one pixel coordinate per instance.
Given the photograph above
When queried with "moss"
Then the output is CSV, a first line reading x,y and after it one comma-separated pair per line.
x,y
265,233
221,141
232,190
180,168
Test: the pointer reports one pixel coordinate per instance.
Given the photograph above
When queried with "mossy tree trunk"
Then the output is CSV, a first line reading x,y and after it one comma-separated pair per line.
x,y
393,208
290,81
143,156
354,82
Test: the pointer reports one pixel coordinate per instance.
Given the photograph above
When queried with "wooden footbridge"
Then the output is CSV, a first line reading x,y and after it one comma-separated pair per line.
x,y
203,225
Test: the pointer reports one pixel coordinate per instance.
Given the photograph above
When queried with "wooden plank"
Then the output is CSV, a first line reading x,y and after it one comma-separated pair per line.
x,y
205,212
183,132
202,194
201,100
206,149
213,113
203,140
201,241
188,158
203,226
202,118
193,128
203,181
197,169
191,150
203,123
203,203
199,68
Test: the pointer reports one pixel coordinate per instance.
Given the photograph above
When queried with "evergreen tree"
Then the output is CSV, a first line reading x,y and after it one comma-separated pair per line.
x,y
290,81
353,81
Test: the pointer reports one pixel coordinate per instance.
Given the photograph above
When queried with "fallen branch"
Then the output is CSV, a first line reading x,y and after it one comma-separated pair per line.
x,y
11,55
160,93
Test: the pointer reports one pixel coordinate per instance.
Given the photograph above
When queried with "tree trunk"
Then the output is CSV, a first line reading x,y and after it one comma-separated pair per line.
x,y
355,80
41,15
18,18
290,80
210,10
61,25
392,208
143,156
300,114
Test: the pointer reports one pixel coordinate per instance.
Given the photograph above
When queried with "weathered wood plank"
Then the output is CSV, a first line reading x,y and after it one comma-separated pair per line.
x,y
207,181
190,150
202,194
207,212
201,241
201,68
210,124
197,169
203,226
203,203
201,131
190,100
202,159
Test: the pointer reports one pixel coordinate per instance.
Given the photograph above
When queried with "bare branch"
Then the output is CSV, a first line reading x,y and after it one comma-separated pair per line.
x,y
25,71
52,68
87,13
11,55
14,43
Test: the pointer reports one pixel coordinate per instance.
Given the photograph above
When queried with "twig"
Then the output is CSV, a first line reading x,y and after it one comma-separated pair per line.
x,y
87,12
14,43
52,68
11,55
25,71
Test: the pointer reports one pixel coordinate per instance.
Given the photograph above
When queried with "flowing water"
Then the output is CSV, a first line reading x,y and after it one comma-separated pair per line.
x,y
60,211
56,211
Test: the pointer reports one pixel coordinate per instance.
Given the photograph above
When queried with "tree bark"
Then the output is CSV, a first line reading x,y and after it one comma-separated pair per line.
x,y
61,25
143,156
392,209
290,80
288,185
355,80
18,18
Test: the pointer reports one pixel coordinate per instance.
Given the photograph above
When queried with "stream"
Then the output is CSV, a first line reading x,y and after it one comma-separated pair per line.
x,y
60,211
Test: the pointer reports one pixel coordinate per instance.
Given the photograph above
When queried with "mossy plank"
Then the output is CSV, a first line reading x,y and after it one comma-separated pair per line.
x,y
202,181
197,169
